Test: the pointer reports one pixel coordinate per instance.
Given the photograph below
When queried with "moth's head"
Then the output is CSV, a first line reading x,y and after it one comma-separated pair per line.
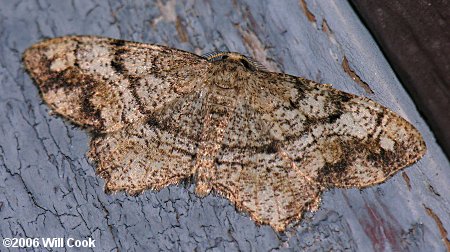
x,y
233,59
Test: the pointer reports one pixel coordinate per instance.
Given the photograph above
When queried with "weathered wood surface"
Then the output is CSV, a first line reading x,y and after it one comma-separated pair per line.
x,y
415,38
48,188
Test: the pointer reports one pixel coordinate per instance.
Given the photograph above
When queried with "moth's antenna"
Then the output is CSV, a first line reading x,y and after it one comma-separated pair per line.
x,y
214,55
256,64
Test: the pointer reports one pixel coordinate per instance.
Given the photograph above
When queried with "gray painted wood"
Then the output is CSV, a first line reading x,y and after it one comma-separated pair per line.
x,y
48,188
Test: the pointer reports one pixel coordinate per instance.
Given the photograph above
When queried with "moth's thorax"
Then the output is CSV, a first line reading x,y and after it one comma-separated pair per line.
x,y
230,73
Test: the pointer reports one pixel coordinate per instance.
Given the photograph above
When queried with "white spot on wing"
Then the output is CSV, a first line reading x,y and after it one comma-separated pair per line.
x,y
387,143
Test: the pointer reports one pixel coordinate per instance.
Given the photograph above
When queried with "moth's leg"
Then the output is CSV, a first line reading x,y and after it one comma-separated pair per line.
x,y
144,157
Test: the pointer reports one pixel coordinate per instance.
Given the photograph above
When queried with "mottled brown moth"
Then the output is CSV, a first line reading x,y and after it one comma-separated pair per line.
x,y
269,142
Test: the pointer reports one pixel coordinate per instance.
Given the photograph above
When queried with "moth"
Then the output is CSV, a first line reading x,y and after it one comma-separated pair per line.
x,y
269,142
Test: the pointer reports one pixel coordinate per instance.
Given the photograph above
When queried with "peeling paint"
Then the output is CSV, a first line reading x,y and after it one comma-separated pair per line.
x,y
355,77
181,30
407,180
258,49
327,30
441,227
309,15
383,234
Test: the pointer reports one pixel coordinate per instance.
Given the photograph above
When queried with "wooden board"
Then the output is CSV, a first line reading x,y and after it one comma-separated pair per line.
x,y
415,38
48,188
